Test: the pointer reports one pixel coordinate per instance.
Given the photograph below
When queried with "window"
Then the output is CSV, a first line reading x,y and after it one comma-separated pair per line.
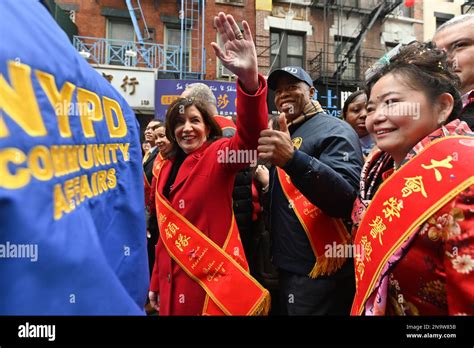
x,y
287,48
122,30
405,11
351,3
222,71
440,22
442,18
119,29
172,43
343,45
390,45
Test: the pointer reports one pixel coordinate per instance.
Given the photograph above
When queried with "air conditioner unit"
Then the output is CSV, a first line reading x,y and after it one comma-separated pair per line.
x,y
397,12
72,16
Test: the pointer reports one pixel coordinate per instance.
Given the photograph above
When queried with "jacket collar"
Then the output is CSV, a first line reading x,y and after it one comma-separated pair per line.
x,y
151,157
187,167
311,109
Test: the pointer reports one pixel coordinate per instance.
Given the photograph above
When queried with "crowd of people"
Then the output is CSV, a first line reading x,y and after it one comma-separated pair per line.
x,y
316,183
368,214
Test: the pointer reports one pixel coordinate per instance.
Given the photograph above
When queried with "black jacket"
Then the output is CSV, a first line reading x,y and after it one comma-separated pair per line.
x,y
242,199
148,165
151,221
326,170
242,202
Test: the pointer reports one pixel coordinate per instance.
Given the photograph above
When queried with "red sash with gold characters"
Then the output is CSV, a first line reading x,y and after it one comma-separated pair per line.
x,y
404,201
222,273
232,246
322,230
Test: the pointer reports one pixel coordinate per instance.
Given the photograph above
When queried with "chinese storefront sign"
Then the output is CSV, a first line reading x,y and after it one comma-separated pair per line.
x,y
137,86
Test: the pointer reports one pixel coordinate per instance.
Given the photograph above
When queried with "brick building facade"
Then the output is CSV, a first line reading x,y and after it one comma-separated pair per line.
x,y
98,18
314,34
317,36
171,49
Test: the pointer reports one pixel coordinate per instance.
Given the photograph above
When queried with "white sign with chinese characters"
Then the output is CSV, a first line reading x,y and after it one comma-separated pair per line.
x,y
136,85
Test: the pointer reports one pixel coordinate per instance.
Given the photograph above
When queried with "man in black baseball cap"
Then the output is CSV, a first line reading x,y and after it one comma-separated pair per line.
x,y
321,155
295,71
297,103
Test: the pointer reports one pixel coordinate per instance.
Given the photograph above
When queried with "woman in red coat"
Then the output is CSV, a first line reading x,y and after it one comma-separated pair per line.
x,y
200,266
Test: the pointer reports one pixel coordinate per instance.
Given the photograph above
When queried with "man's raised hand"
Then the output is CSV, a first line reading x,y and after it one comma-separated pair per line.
x,y
276,146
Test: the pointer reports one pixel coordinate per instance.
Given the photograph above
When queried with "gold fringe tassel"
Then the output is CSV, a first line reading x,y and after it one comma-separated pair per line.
x,y
326,266
263,307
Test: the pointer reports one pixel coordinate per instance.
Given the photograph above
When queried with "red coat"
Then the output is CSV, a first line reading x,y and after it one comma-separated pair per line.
x,y
202,192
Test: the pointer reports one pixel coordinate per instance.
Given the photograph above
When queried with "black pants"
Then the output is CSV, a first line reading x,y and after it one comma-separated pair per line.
x,y
151,242
325,295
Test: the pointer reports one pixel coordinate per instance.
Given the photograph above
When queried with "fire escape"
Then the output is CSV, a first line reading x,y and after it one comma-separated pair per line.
x,y
332,73
467,7
191,53
192,39
183,60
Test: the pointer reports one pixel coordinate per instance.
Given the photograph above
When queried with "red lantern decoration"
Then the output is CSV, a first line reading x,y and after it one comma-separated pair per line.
x,y
409,3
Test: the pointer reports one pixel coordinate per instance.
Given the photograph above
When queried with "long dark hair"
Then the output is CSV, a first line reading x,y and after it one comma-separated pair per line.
x,y
178,107
426,68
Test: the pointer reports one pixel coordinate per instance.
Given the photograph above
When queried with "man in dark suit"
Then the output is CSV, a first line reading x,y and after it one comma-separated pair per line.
x,y
321,156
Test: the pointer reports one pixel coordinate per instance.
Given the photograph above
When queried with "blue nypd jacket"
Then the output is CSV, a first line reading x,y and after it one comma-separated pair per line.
x,y
72,230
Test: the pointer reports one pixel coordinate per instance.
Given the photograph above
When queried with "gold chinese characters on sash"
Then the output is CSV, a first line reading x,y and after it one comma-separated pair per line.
x,y
221,272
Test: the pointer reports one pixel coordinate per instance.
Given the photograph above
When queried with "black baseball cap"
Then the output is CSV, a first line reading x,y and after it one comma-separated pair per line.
x,y
293,71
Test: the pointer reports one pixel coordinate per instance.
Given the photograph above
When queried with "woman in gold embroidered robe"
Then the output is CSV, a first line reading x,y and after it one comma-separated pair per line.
x,y
413,101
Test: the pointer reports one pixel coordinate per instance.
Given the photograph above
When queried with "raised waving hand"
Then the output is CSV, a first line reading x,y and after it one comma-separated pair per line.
x,y
239,55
